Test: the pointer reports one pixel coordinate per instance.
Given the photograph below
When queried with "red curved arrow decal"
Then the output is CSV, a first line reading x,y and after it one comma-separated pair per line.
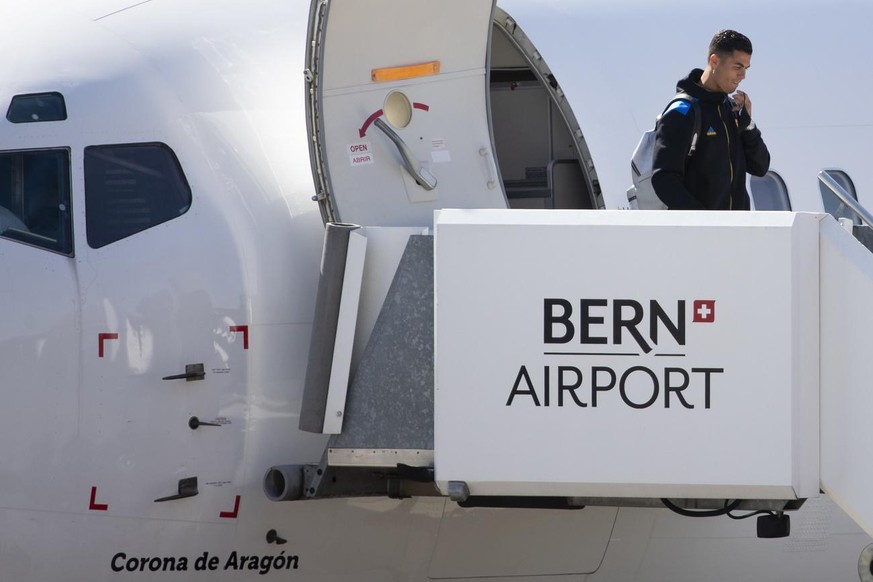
x,y
363,131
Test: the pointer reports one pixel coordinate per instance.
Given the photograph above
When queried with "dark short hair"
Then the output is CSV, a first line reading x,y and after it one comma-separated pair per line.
x,y
725,42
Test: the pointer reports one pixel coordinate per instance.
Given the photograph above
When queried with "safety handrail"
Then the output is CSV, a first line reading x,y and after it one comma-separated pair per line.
x,y
845,197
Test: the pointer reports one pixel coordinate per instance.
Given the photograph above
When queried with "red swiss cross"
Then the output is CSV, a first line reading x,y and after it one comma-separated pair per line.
x,y
704,311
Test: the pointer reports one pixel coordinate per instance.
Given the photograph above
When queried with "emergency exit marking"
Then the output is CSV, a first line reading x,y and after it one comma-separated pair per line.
x,y
103,337
243,329
704,311
231,514
94,506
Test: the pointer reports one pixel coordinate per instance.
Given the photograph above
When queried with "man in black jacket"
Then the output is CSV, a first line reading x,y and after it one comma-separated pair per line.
x,y
713,177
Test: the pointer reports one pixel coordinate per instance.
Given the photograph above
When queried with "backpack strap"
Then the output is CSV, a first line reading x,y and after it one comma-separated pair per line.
x,y
682,96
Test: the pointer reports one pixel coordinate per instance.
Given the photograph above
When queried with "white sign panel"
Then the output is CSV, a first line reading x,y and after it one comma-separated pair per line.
x,y
360,154
620,354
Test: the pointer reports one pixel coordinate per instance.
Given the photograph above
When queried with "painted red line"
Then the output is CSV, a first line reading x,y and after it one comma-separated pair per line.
x,y
243,329
94,506
363,131
421,106
103,337
231,514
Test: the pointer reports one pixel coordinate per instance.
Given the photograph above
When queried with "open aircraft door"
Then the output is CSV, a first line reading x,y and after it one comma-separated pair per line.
x,y
399,122
397,109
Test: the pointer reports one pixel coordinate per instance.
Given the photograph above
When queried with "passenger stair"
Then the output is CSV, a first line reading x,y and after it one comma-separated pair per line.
x,y
549,359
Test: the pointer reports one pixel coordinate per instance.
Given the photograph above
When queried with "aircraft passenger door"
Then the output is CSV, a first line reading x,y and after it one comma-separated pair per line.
x,y
398,109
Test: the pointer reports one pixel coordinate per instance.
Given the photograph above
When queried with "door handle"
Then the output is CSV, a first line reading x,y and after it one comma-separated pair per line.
x,y
489,165
187,488
421,176
192,372
194,423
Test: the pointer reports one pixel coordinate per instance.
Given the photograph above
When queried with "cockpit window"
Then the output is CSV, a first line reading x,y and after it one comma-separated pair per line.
x,y
131,188
35,198
37,107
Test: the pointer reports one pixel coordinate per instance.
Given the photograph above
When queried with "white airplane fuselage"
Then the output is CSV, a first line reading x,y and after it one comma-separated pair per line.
x,y
94,434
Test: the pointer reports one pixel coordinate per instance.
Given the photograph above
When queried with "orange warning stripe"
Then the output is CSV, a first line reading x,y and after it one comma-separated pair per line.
x,y
406,72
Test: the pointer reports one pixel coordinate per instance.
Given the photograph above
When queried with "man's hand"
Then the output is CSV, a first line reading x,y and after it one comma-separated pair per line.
x,y
741,100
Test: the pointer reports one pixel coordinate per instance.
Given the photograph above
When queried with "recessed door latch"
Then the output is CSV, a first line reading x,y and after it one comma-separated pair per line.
x,y
192,372
187,488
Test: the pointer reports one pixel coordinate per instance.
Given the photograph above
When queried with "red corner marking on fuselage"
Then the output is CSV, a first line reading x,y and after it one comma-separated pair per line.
x,y
103,337
421,106
94,506
231,514
243,329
